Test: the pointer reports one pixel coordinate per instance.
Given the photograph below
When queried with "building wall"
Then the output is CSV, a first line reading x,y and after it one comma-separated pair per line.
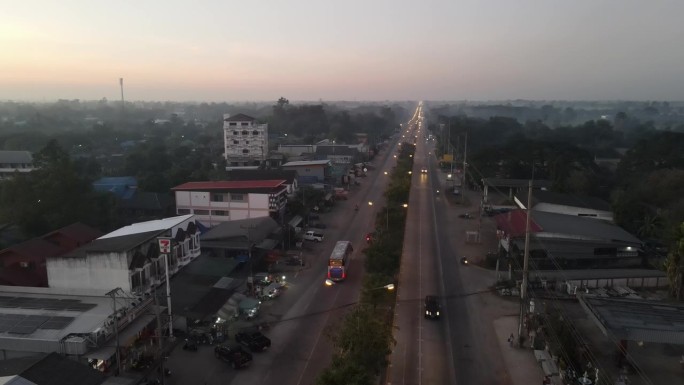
x,y
309,171
103,271
211,213
239,137
575,211
296,149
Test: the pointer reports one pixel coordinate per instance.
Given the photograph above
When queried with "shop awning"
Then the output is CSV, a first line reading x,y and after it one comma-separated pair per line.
x,y
267,244
104,353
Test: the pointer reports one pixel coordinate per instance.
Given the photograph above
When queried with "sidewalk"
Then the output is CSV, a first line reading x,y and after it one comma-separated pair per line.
x,y
523,368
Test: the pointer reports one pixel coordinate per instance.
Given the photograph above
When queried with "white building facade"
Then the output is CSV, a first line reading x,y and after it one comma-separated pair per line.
x,y
132,258
217,202
245,141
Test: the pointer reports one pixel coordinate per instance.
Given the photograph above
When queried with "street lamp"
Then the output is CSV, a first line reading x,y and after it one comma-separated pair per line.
x,y
385,172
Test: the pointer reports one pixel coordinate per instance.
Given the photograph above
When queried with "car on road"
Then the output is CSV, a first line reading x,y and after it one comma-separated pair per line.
x,y
370,237
234,355
253,340
464,260
456,191
432,307
423,170
466,216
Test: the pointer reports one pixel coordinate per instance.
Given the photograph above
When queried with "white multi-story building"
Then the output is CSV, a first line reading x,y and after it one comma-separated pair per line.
x,y
245,141
221,201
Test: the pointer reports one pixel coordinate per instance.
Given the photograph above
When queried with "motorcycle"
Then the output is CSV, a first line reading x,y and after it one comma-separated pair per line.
x,y
190,345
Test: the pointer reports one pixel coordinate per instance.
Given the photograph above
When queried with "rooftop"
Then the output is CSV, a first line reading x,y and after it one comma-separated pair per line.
x,y
572,200
230,185
239,118
15,157
149,226
247,175
323,162
562,226
114,244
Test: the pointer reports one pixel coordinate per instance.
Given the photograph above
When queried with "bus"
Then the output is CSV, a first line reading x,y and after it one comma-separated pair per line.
x,y
339,260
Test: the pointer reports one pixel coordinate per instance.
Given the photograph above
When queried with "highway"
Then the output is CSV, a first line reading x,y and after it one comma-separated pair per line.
x,y
461,347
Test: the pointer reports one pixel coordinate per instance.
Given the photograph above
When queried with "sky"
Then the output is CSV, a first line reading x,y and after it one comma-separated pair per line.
x,y
225,50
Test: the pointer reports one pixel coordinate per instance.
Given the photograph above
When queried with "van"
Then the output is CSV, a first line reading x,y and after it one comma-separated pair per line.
x,y
312,235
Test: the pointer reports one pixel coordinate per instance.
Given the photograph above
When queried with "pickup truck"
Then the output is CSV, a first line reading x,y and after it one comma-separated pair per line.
x,y
253,340
234,355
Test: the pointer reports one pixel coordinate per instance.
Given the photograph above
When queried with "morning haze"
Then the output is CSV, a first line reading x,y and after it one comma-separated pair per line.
x,y
354,50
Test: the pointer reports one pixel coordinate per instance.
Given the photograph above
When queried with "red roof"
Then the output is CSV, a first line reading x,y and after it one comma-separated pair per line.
x,y
78,232
513,223
33,247
230,185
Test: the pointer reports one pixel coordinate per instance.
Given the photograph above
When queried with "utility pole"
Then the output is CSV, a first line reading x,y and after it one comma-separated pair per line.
x,y
122,97
465,164
526,258
112,294
159,336
168,293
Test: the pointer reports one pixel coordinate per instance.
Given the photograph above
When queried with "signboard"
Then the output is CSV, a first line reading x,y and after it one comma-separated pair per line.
x,y
164,245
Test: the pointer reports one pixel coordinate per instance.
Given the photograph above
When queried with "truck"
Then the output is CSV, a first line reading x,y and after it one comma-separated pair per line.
x,y
255,341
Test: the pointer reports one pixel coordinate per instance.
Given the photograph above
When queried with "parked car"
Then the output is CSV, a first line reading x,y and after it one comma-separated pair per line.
x,y
312,235
253,340
234,355
432,307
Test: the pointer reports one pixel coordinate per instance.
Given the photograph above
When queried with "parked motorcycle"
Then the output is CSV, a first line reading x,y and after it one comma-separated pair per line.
x,y
190,345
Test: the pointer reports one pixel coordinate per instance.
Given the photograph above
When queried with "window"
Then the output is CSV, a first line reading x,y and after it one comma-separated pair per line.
x,y
245,132
220,213
236,142
235,132
255,132
182,211
244,123
217,197
246,141
232,123
202,212
237,197
245,151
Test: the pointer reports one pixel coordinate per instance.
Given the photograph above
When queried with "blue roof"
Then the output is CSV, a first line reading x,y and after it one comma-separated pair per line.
x,y
123,187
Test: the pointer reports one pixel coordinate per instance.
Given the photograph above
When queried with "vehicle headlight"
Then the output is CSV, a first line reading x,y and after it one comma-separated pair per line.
x,y
427,312
437,313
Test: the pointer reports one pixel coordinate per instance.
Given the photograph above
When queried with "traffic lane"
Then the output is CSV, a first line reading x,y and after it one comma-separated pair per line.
x,y
477,358
308,350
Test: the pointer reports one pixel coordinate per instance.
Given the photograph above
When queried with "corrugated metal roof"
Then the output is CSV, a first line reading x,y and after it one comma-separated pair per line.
x,y
307,163
637,320
143,227
229,184
513,223
239,118
15,157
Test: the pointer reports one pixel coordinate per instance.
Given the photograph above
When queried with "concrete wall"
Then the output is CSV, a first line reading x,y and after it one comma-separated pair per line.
x,y
103,271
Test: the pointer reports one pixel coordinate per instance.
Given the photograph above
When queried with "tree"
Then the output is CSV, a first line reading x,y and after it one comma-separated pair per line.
x,y
674,266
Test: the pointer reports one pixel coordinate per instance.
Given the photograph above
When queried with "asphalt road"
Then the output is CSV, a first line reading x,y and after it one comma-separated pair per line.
x,y
461,347
301,349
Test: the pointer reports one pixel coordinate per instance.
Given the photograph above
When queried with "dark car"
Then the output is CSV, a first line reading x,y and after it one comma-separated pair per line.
x,y
253,340
234,355
432,307
466,216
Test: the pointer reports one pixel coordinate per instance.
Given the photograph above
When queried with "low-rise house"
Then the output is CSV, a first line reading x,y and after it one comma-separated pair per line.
x,y
314,171
338,154
24,264
15,161
222,201
568,204
561,241
134,205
